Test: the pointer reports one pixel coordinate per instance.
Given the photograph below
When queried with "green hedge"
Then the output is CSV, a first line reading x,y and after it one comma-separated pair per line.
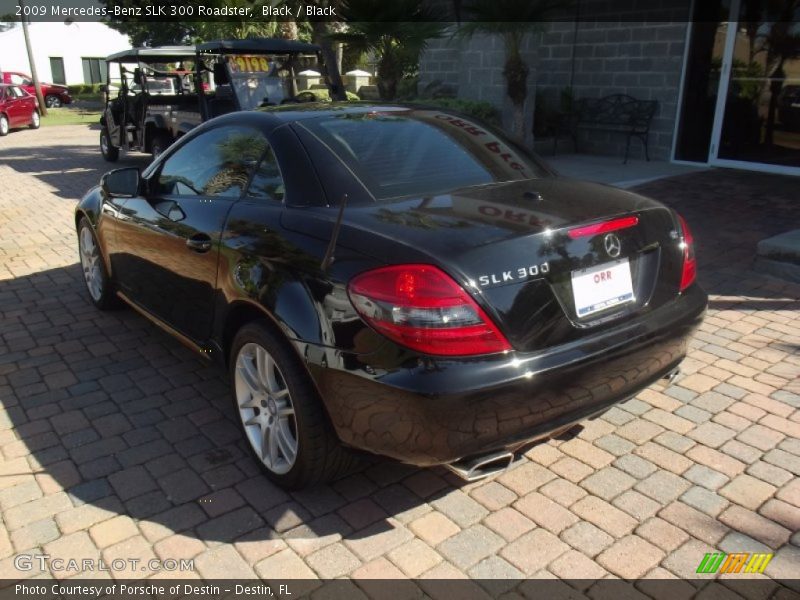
x,y
323,95
84,89
473,108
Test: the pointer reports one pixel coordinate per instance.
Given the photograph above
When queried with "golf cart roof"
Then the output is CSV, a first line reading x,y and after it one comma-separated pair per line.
x,y
160,53
258,46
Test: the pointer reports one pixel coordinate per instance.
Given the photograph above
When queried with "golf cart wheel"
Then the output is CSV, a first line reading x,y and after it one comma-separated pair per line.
x,y
107,149
160,143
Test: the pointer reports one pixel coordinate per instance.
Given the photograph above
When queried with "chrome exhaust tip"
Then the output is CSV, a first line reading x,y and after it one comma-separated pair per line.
x,y
672,375
473,469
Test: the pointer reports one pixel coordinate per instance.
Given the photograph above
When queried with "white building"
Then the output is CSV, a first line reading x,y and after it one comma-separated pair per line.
x,y
64,53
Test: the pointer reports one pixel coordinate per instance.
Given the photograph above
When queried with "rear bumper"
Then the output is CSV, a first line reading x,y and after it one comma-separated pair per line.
x,y
440,410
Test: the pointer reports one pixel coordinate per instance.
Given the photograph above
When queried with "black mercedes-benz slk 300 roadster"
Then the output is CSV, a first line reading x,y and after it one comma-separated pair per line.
x,y
399,280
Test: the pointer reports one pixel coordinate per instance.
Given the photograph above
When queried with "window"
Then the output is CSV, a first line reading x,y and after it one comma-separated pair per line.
x,y
403,153
57,70
267,181
15,92
93,70
215,163
17,79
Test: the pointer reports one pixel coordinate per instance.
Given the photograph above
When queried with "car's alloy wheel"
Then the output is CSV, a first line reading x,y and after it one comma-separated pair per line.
x,y
93,267
35,120
266,409
281,413
3,125
52,101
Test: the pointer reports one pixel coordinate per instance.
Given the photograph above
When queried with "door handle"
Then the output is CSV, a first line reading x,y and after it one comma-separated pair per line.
x,y
199,243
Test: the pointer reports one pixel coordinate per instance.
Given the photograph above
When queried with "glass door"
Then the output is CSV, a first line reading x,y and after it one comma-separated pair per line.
x,y
757,117
701,80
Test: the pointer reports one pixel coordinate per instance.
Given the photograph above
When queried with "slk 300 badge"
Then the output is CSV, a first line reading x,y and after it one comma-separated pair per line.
x,y
513,275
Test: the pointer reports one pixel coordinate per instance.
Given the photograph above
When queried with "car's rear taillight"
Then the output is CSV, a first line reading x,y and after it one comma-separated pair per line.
x,y
421,307
689,272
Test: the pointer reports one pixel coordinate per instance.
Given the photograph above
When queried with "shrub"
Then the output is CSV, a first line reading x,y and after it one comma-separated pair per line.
x,y
323,95
473,108
84,89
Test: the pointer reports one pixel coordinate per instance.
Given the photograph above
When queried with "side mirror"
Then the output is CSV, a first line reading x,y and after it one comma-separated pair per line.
x,y
103,88
121,183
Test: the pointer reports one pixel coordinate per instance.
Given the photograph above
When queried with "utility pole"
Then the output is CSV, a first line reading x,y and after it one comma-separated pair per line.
x,y
34,76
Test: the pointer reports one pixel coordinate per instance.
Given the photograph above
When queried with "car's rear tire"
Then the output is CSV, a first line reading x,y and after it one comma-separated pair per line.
x,y
35,120
93,267
52,101
3,125
107,149
160,143
281,414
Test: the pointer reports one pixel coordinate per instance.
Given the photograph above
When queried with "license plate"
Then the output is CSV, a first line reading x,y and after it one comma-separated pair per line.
x,y
602,287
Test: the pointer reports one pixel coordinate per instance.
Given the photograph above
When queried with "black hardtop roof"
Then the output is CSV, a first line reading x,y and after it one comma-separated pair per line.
x,y
257,45
167,53
290,113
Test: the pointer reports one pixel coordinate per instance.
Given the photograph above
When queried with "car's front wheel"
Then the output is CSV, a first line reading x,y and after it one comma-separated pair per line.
x,y
280,412
52,101
3,125
35,120
94,271
107,149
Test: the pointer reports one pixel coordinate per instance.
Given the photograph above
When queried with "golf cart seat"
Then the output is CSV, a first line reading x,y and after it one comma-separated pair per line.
x,y
222,102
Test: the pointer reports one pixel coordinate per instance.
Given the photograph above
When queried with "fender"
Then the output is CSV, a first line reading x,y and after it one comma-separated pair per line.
x,y
157,121
89,206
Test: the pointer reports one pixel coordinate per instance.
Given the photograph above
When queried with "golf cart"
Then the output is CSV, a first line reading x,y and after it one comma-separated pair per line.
x,y
155,95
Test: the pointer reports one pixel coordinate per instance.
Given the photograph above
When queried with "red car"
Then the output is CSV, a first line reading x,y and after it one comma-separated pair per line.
x,y
54,95
17,109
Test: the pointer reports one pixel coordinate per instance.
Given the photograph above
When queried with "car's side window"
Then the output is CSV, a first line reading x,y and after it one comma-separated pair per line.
x,y
267,181
218,162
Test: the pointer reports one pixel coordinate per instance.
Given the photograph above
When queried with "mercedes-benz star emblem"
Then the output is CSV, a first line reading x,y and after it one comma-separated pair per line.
x,y
613,245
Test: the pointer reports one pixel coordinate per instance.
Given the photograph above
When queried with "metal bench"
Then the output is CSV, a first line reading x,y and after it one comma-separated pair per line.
x,y
617,113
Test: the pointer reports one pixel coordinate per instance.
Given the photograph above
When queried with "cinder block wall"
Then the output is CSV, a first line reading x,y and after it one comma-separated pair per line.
x,y
641,58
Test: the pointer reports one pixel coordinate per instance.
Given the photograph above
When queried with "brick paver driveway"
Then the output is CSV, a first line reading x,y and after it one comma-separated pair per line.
x,y
118,442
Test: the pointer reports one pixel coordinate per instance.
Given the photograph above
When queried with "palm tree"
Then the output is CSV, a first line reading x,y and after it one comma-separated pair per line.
x,y
396,31
489,17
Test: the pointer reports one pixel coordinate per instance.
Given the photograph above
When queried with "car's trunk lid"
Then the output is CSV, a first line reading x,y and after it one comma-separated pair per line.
x,y
510,246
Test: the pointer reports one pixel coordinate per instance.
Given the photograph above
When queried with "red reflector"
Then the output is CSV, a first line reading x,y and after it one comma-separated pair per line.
x,y
689,271
604,227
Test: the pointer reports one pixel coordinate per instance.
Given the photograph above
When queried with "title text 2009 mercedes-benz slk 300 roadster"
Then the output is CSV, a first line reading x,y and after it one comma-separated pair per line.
x,y
404,281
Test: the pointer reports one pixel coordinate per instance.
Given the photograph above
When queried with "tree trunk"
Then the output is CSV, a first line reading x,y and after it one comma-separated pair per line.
x,y
34,76
518,122
775,86
389,72
516,74
288,30
320,33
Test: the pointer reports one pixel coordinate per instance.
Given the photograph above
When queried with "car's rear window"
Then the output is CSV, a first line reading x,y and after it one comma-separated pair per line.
x,y
421,152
